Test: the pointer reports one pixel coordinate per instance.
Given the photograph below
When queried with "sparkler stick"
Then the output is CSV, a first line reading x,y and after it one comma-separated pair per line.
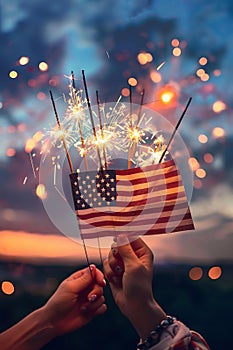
x,y
101,129
133,146
83,145
175,130
92,120
62,136
130,106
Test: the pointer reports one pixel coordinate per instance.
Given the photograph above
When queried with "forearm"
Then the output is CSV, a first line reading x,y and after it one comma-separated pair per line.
x,y
31,333
145,317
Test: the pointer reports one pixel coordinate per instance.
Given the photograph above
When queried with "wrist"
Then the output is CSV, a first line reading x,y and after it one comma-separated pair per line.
x,y
146,316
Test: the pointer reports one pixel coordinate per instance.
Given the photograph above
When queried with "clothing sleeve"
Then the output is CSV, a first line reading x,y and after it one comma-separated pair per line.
x,y
178,337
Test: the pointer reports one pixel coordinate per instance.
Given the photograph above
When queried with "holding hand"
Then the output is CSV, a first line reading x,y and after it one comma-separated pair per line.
x,y
129,270
78,299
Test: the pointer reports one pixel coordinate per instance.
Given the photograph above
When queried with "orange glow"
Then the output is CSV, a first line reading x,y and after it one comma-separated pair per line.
x,y
201,173
205,77
41,96
215,272
155,76
193,163
218,132
10,152
38,136
202,138
203,61
176,51
21,127
125,92
132,81
30,144
149,57
43,66
217,72
144,57
13,74
23,60
195,273
41,191
167,94
175,42
197,184
208,158
8,287
219,106
200,72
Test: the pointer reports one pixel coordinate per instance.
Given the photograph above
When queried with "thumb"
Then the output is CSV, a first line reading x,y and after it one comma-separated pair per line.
x,y
82,280
125,250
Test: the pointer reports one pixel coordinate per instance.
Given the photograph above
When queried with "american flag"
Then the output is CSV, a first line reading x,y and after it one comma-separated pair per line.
x,y
138,201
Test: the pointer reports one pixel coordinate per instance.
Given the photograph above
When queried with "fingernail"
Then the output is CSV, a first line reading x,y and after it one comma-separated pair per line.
x,y
118,269
92,267
104,281
122,240
92,298
114,251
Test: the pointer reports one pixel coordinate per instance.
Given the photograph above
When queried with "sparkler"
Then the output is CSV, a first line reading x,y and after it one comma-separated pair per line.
x,y
175,130
92,120
70,165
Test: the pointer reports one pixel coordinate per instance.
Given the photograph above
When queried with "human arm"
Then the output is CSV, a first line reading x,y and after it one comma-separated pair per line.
x,y
129,269
78,299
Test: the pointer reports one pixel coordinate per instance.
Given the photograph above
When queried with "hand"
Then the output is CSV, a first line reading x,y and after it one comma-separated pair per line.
x,y
77,300
129,270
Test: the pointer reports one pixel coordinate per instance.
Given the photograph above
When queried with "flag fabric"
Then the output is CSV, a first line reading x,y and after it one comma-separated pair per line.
x,y
139,201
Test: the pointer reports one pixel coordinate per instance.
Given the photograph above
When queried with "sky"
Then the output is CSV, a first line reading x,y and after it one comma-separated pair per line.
x,y
181,46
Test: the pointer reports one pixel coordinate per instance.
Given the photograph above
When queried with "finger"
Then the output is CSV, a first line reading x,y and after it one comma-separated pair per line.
x,y
77,283
95,293
141,249
99,277
92,306
125,250
112,278
77,274
116,263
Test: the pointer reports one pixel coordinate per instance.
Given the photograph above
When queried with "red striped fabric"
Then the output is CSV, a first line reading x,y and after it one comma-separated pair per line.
x,y
149,200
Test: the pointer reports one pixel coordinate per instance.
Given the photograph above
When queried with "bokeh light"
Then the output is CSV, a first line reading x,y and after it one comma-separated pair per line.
x,y
176,51
201,173
132,81
43,66
219,106
7,287
195,273
23,60
218,132
13,74
175,42
208,158
193,163
202,138
215,272
203,61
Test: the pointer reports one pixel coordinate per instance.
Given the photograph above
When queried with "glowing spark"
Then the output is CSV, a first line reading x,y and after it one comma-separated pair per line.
x,y
32,165
25,180
160,66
